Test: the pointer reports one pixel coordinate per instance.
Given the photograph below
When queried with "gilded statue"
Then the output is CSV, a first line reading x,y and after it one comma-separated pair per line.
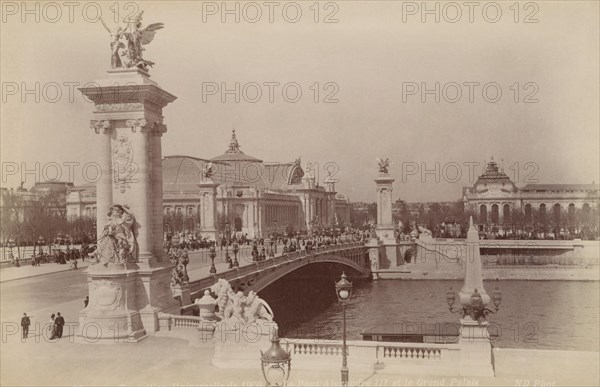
x,y
127,43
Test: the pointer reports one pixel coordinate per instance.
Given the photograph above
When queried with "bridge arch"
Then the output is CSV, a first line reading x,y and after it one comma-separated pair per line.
x,y
276,274
258,275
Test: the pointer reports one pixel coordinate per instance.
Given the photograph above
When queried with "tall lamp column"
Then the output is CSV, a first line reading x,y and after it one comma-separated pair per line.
x,y
343,289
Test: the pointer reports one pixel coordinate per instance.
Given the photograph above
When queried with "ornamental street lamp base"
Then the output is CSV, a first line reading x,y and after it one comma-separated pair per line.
x,y
345,375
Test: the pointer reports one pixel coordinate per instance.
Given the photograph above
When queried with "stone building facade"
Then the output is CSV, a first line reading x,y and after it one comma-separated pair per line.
x,y
253,197
495,200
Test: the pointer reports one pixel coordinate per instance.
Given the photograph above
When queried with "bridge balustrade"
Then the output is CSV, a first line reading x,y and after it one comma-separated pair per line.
x,y
232,274
172,321
311,353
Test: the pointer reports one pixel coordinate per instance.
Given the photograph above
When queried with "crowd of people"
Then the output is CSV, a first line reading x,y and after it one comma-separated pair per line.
x,y
70,255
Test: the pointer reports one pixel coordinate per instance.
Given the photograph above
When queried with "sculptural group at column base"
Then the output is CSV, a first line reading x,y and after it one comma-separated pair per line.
x,y
239,325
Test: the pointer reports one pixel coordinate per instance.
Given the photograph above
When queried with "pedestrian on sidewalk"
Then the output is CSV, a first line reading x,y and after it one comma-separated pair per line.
x,y
59,322
51,325
25,322
86,301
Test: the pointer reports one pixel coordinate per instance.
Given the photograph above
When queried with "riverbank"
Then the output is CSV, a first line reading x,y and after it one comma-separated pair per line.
x,y
530,273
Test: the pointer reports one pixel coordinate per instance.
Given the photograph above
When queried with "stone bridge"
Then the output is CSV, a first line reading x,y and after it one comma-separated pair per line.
x,y
258,275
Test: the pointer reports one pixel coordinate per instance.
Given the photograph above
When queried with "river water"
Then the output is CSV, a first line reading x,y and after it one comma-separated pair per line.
x,y
533,314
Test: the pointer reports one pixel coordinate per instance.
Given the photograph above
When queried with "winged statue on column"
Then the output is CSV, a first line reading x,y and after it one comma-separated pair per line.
x,y
127,44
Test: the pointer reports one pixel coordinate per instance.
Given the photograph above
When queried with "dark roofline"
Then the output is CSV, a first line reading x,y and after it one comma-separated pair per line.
x,y
578,187
193,158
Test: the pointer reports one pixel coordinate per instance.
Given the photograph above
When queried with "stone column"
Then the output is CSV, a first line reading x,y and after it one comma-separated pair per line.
x,y
208,191
156,184
385,226
126,297
104,195
141,189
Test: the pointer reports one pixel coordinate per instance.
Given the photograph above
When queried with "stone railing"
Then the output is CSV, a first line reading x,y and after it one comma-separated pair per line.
x,y
198,285
369,355
172,321
396,352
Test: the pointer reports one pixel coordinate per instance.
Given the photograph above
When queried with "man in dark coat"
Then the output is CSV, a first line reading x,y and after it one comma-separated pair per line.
x,y
60,322
25,322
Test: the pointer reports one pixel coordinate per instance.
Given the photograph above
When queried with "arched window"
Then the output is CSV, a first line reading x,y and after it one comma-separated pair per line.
x,y
542,213
506,213
586,213
483,214
528,214
571,214
237,223
556,213
495,213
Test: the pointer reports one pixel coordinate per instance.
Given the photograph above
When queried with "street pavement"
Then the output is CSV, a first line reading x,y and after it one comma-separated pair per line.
x,y
42,290
165,360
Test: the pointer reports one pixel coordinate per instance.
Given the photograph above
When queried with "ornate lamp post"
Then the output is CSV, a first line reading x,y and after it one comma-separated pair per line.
x,y
235,253
271,251
276,363
473,296
227,233
476,308
11,244
276,235
254,249
41,242
343,290
212,254
285,246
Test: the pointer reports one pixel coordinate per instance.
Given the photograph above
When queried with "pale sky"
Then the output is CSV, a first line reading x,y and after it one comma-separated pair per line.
x,y
370,55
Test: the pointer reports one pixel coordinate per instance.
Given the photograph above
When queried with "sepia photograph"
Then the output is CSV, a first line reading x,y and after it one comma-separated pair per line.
x,y
300,193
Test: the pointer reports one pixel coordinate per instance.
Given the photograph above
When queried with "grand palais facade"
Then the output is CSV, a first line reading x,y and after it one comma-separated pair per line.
x,y
253,197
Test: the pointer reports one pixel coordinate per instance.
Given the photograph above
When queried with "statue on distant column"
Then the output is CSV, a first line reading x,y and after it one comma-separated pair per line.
x,y
118,245
208,171
179,274
383,165
126,44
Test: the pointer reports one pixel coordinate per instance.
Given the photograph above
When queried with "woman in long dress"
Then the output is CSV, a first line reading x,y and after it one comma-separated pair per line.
x,y
52,327
118,243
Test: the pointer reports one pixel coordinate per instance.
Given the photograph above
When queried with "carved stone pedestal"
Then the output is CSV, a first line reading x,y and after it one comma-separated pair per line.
x,y
182,292
240,347
112,315
475,349
374,246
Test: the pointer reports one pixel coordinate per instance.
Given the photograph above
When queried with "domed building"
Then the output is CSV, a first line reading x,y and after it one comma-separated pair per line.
x,y
253,197
496,201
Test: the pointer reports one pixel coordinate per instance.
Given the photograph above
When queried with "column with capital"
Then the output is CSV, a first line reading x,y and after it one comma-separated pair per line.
x,y
103,128
385,226
128,290
140,188
208,193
